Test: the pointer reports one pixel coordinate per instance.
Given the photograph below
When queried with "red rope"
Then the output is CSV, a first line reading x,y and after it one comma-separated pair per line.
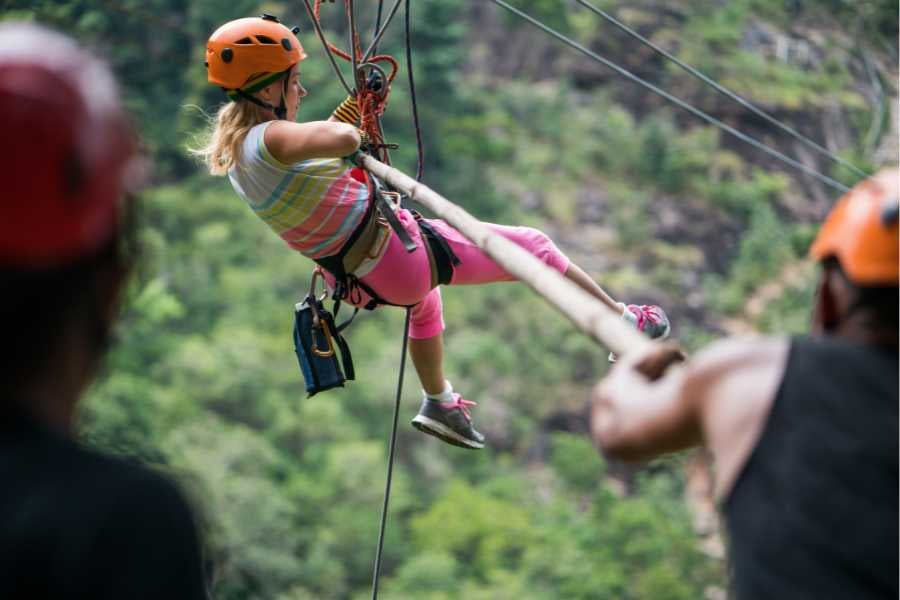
x,y
371,103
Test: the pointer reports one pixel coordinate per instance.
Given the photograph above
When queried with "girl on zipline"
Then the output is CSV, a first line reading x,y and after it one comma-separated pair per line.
x,y
297,179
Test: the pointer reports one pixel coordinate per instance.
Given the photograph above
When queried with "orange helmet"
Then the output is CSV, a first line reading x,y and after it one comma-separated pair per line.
x,y
862,232
242,48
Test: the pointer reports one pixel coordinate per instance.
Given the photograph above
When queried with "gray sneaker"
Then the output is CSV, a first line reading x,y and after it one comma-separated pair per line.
x,y
449,421
652,320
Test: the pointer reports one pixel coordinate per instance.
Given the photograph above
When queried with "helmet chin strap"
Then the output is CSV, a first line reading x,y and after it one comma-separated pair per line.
x,y
280,110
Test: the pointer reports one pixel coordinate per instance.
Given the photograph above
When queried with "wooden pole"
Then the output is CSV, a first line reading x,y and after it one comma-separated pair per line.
x,y
587,313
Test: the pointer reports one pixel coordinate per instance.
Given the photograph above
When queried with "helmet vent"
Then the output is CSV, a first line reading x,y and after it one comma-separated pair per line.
x,y
264,39
286,44
244,41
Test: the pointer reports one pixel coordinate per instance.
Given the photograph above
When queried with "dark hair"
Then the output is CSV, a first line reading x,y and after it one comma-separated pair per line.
x,y
36,305
881,304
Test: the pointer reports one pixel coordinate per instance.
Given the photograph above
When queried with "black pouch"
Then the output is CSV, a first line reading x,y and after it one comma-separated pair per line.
x,y
445,260
317,342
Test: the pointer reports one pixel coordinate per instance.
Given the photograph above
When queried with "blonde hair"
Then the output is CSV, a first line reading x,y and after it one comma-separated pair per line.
x,y
225,136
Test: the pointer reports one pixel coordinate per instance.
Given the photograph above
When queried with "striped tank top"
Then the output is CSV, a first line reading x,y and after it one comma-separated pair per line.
x,y
314,205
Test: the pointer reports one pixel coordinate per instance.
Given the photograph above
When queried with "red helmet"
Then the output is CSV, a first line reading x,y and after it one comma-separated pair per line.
x,y
67,153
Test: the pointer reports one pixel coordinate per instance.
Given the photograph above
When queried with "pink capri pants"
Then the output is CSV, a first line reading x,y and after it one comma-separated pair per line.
x,y
402,277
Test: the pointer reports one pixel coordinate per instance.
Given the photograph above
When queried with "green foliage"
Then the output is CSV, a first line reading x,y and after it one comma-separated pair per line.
x,y
764,250
791,312
577,462
203,381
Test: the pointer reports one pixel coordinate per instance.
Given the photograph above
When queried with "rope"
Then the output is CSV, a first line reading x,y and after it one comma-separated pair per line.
x,y
380,31
377,22
354,40
723,90
420,150
313,16
373,49
390,471
371,103
677,101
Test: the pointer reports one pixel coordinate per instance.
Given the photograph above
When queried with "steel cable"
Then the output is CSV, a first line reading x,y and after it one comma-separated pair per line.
x,y
677,101
723,90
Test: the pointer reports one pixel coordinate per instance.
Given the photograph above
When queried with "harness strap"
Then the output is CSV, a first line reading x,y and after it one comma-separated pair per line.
x,y
347,285
247,93
388,213
444,257
334,263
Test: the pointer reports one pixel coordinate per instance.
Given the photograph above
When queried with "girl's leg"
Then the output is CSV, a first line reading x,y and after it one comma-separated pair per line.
x,y
427,356
476,267
584,281
426,341
443,414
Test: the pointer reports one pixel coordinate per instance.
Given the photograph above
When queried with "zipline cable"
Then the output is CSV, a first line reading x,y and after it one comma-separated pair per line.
x,y
723,90
390,470
679,102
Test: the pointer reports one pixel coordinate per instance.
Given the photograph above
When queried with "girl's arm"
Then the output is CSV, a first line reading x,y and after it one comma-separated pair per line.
x,y
292,142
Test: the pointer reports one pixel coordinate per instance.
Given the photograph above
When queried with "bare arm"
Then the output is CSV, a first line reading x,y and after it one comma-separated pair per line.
x,y
720,398
293,142
634,419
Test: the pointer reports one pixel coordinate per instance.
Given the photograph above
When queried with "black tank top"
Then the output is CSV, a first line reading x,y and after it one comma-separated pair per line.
x,y
814,512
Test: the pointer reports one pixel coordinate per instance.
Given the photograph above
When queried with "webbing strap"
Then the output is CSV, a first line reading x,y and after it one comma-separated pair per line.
x,y
246,93
388,213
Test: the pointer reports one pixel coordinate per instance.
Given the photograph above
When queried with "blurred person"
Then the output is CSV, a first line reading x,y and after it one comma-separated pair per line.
x,y
296,178
74,523
803,431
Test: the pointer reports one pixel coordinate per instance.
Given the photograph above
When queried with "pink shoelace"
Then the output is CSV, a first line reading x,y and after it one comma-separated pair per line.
x,y
461,403
644,313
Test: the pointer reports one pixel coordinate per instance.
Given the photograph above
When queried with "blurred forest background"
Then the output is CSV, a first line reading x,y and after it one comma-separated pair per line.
x,y
519,129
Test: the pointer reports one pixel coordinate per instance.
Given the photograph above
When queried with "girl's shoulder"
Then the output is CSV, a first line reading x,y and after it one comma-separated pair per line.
x,y
256,152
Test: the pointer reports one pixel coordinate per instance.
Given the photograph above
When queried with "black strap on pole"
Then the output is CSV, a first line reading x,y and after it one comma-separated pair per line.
x,y
390,471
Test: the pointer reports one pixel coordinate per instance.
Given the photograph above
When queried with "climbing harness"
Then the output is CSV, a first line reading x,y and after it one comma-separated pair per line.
x,y
370,101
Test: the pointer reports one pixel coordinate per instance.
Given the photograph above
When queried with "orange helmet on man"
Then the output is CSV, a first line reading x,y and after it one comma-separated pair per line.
x,y
861,232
